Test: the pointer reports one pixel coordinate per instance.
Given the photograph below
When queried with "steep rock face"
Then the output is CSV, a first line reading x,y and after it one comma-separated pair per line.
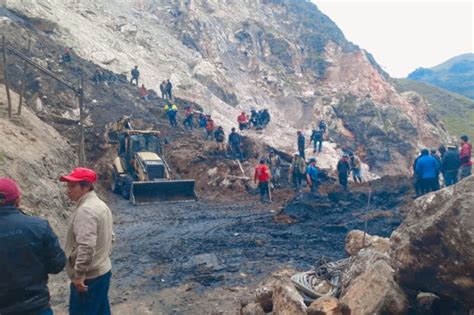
x,y
433,249
283,55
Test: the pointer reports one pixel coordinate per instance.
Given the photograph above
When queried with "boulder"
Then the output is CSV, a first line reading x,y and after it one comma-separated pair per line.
x,y
355,242
264,297
433,249
252,309
328,306
369,286
425,303
287,301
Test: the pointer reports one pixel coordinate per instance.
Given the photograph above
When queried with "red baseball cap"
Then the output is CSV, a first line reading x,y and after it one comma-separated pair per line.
x,y
9,190
80,174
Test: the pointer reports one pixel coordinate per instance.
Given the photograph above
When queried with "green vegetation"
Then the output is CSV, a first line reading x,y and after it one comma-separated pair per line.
x,y
456,111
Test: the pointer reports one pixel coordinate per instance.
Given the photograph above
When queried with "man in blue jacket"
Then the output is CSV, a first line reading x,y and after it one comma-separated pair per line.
x,y
427,170
29,251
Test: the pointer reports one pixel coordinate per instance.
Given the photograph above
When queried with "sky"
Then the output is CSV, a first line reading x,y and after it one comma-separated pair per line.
x,y
403,35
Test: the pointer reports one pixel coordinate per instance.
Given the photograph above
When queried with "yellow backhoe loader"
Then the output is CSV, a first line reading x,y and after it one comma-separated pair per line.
x,y
141,175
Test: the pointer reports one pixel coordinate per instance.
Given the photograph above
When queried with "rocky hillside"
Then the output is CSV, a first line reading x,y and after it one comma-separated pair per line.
x,y
283,55
455,110
455,75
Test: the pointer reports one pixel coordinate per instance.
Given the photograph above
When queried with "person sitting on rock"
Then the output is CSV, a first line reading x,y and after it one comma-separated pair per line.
x,y
219,136
143,92
135,75
264,118
242,119
253,118
427,170
343,170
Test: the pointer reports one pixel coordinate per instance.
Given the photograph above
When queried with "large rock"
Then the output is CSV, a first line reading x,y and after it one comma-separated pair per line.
x,y
355,241
328,305
369,286
252,309
434,247
287,301
264,297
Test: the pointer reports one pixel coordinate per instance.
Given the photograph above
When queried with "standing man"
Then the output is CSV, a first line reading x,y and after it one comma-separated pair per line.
x,y
88,246
169,88
262,176
274,162
301,143
29,251
135,75
427,170
297,171
465,157
355,164
450,166
163,90
219,136
317,138
209,127
312,173
235,143
323,126
188,117
343,170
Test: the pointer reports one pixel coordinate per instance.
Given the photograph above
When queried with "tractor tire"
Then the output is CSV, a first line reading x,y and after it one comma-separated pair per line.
x,y
115,183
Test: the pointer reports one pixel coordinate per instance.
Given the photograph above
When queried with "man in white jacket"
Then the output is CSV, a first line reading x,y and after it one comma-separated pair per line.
x,y
88,246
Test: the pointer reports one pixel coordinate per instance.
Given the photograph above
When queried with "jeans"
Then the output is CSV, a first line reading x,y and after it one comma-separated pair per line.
x,y
465,171
429,185
343,179
93,302
297,177
236,152
450,177
318,145
263,186
302,153
357,175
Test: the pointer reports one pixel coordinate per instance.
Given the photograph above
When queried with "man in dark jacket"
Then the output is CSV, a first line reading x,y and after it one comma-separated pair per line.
x,y
317,138
427,170
343,170
163,90
451,164
219,136
301,140
169,88
235,143
135,75
29,251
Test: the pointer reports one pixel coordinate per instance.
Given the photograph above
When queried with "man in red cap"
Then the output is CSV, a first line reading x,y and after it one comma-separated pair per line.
x,y
29,251
88,246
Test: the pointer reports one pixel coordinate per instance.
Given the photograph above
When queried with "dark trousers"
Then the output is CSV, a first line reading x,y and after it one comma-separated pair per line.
x,y
429,185
302,153
343,179
236,152
318,145
49,311
450,177
188,123
297,177
134,79
172,119
263,187
95,301
169,94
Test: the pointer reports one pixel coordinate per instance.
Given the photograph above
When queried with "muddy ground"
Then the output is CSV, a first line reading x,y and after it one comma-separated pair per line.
x,y
189,258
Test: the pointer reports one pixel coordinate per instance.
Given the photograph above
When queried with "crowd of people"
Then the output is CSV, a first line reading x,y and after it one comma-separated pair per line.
x,y
443,167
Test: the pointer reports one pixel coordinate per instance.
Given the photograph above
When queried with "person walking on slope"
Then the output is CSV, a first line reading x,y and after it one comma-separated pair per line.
x,y
164,95
169,88
465,157
171,111
297,171
188,118
450,166
317,139
135,75
29,251
301,143
343,170
355,164
88,246
262,176
312,173
427,170
274,162
235,143
209,128
219,136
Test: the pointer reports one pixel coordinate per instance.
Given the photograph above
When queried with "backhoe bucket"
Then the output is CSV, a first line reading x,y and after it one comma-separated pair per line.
x,y
162,191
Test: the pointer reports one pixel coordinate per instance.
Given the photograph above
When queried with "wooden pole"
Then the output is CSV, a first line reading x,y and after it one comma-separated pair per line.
x,y
23,79
5,74
82,154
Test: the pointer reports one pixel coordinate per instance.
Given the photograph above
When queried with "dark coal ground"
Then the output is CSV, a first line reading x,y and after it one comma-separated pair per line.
x,y
216,244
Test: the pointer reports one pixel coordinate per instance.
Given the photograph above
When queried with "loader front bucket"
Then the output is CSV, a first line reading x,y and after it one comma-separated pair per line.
x,y
162,191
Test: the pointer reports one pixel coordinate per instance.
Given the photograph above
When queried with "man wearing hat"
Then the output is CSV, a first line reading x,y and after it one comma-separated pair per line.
x,y
29,251
88,246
